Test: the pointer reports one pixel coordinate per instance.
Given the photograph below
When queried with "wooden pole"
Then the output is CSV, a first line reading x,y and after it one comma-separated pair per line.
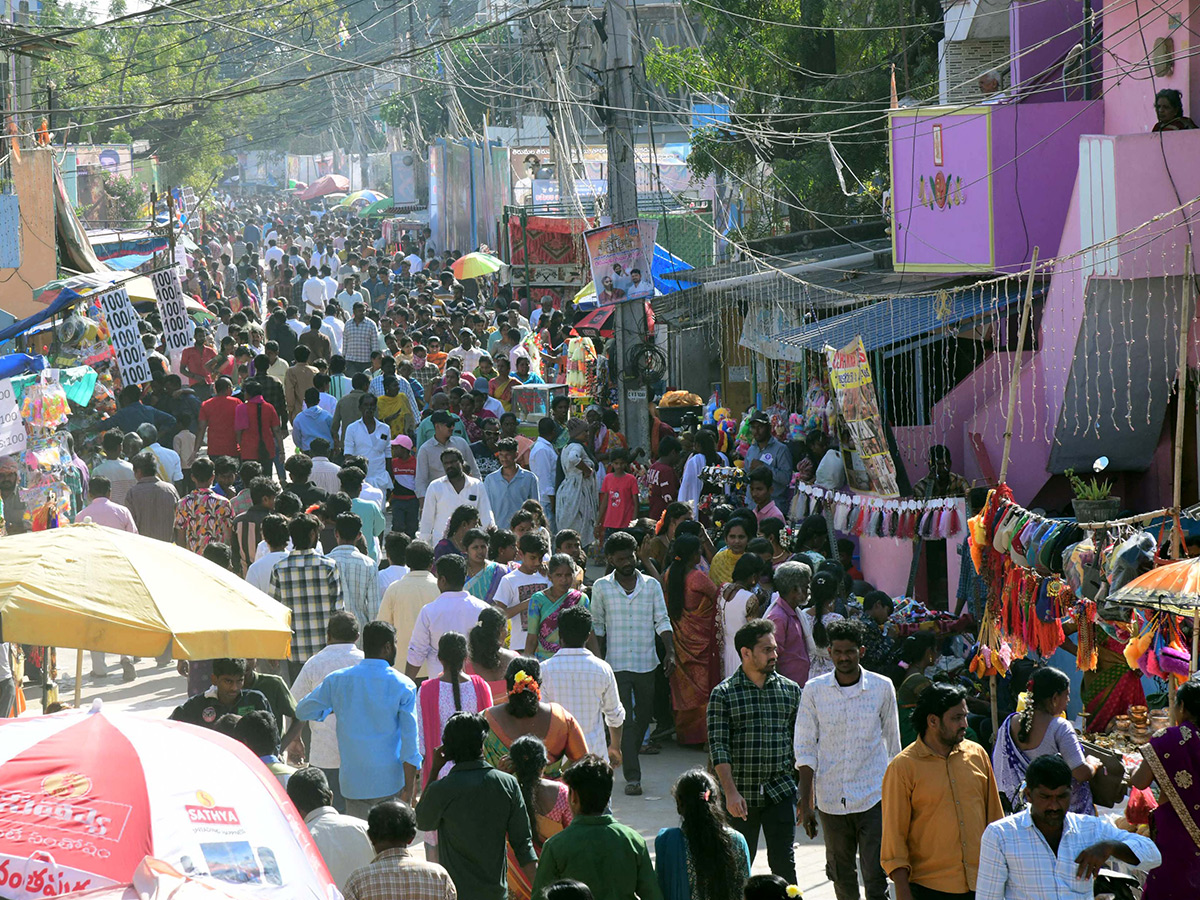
x,y
1185,326
78,677
1026,314
1185,321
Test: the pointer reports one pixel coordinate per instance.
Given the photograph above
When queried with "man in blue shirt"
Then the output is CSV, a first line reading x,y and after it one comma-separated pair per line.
x,y
376,709
134,412
312,422
766,450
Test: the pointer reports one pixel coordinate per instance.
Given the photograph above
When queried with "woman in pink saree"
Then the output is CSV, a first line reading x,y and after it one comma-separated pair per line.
x,y
1171,761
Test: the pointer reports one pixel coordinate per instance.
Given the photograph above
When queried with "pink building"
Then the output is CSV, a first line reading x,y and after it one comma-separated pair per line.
x,y
1063,158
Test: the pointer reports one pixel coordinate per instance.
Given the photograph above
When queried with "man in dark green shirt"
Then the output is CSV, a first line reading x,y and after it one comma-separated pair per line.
x,y
225,696
276,691
473,809
610,858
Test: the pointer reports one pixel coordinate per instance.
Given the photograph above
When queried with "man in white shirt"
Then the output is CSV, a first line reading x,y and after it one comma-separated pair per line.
x,y
543,462
333,329
1046,851
313,293
847,731
415,263
275,536
404,599
324,473
119,472
585,686
395,545
329,279
446,494
339,652
273,254
453,610
349,296
169,465
342,840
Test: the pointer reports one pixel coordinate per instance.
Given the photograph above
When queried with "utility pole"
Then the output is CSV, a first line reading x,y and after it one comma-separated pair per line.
x,y
623,207
448,98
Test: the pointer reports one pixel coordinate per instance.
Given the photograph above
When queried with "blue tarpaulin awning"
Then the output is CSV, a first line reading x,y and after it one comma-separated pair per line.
x,y
898,320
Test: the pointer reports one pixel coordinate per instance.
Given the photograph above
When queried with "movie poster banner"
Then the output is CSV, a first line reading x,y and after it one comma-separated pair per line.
x,y
850,374
621,255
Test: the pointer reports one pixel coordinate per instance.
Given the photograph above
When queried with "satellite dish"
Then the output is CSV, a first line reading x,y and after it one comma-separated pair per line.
x,y
1100,464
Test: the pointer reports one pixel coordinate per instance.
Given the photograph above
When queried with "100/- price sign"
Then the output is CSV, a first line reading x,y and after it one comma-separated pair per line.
x,y
171,309
122,322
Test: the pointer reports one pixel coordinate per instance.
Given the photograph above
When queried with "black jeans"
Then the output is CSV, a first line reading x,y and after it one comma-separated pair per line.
x,y
920,892
847,836
637,696
778,824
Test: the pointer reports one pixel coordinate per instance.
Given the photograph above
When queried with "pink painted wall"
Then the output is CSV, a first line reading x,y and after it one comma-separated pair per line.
x,y
1033,155
956,230
1129,101
1040,34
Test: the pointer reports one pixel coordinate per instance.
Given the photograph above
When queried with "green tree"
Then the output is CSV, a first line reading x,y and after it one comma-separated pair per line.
x,y
796,74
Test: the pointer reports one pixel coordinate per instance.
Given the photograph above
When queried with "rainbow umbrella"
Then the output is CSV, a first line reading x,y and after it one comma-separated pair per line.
x,y
366,197
476,265
378,208
1173,588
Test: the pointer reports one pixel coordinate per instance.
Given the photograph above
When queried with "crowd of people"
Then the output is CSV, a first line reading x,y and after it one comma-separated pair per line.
x,y
457,668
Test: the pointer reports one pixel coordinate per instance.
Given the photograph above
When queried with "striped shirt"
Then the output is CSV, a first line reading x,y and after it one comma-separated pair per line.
x,y
359,578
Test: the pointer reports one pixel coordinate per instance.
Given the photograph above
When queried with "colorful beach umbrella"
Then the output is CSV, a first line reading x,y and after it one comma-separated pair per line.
x,y
1173,588
378,208
364,197
476,265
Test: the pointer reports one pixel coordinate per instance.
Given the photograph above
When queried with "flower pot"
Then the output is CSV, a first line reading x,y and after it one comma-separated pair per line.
x,y
1096,510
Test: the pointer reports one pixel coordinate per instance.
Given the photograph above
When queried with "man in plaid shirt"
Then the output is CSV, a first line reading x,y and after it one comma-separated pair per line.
x,y
392,874
309,585
358,573
360,339
751,720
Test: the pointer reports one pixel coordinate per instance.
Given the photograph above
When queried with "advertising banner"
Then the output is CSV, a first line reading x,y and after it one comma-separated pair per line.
x,y
171,309
621,255
850,374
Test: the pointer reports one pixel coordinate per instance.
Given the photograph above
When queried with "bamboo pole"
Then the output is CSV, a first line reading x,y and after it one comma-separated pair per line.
x,y
78,677
1185,326
1026,314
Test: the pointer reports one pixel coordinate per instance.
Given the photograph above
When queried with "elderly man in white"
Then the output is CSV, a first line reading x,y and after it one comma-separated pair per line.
x,y
444,495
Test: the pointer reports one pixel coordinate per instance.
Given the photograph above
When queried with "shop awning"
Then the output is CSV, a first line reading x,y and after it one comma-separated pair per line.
x,y
898,320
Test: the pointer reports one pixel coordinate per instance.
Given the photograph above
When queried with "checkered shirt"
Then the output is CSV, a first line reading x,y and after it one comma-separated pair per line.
x,y
586,687
309,585
394,875
750,728
359,578
628,622
360,340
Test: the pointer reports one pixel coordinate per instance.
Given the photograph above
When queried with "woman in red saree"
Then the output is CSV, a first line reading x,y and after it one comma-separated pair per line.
x,y
1112,688
1172,761
692,607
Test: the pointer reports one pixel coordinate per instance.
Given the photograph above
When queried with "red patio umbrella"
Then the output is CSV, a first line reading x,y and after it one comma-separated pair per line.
x,y
326,184
599,323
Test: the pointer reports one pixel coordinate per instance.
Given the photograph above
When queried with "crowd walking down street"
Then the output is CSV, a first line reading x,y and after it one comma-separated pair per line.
x,y
526,664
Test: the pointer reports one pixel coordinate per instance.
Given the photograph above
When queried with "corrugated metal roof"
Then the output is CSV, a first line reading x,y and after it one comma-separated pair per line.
x,y
898,319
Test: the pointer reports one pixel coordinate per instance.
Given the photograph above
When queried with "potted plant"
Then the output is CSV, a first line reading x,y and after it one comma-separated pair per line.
x,y
1094,500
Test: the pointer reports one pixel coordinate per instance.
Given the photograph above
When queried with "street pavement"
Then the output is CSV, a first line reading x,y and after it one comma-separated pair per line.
x,y
157,691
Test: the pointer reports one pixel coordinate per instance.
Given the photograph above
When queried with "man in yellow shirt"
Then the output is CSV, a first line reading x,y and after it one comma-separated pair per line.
x,y
939,794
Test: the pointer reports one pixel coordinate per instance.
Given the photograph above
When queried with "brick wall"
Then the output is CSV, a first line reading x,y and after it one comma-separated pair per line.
x,y
966,61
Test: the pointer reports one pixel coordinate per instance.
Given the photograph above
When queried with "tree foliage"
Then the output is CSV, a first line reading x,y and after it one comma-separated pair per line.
x,y
791,90
190,82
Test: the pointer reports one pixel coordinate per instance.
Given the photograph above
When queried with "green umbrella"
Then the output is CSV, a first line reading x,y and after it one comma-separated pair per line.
x,y
378,208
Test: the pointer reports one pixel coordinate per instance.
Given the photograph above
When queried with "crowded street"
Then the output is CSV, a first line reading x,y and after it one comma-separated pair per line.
x,y
575,451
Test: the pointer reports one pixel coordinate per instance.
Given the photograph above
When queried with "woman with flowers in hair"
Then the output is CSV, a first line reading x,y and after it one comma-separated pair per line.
x,y
702,859
692,607
523,712
658,547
